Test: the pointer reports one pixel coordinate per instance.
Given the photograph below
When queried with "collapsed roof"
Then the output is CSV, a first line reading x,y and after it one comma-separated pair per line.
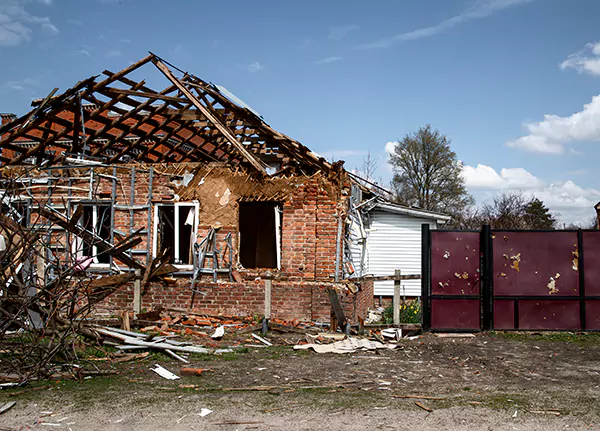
x,y
119,119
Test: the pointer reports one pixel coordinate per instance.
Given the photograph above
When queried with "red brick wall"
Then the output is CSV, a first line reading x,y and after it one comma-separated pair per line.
x,y
289,300
311,211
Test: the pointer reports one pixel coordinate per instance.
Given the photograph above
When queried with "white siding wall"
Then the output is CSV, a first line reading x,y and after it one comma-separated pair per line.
x,y
394,242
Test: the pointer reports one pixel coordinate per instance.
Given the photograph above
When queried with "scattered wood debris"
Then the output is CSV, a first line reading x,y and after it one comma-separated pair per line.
x,y
421,405
262,340
135,341
7,406
419,397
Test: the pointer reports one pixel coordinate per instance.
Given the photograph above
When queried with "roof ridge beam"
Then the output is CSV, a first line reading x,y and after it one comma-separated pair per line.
x,y
253,160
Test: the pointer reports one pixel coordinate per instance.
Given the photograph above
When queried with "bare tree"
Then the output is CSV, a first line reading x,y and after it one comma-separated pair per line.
x,y
45,294
511,210
427,173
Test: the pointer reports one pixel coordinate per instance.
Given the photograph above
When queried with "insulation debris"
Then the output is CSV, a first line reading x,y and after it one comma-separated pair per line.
x,y
164,373
349,345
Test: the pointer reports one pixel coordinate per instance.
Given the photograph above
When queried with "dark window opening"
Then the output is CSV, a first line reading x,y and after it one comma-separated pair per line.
x,y
259,234
185,235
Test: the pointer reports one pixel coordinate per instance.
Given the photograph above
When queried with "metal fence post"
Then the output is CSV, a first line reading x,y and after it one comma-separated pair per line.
x,y
425,277
137,293
485,293
268,292
582,303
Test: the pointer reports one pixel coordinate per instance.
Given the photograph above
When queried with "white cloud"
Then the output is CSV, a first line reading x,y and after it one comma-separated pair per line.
x,y
28,83
74,22
585,61
50,28
486,177
328,60
480,9
338,32
17,25
112,54
550,135
574,203
389,147
255,67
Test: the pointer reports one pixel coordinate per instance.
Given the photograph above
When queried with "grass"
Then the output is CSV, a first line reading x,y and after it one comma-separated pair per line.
x,y
581,339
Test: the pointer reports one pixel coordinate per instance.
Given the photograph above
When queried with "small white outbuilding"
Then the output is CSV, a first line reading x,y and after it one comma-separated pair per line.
x,y
383,237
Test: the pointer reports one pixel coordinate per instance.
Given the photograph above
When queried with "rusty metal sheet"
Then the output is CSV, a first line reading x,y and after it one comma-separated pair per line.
x,y
504,314
535,263
455,263
455,314
591,262
549,314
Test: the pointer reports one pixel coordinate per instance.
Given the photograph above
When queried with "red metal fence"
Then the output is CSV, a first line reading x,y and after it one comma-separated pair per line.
x,y
511,280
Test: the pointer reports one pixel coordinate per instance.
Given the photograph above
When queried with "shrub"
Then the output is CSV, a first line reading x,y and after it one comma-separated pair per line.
x,y
410,312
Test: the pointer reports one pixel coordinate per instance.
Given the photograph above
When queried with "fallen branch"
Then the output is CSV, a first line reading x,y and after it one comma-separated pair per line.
x,y
418,397
427,409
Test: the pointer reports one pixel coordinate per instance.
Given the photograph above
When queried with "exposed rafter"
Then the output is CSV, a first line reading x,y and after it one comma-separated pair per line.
x,y
119,118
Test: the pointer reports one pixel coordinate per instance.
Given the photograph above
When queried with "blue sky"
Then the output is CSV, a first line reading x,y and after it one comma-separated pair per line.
x,y
511,82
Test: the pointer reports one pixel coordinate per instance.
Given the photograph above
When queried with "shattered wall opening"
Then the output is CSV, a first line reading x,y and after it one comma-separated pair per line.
x,y
260,231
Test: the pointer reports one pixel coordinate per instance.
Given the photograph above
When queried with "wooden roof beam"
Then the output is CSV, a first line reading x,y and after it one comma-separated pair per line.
x,y
256,163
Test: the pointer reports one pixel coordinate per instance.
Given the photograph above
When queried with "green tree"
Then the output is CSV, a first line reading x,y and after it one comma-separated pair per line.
x,y
538,216
512,210
427,173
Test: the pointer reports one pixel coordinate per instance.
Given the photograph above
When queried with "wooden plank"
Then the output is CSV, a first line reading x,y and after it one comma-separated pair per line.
x,y
152,96
337,308
41,106
111,280
7,406
255,162
137,293
387,277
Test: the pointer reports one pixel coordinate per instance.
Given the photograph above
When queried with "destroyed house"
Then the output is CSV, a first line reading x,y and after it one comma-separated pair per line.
x,y
178,198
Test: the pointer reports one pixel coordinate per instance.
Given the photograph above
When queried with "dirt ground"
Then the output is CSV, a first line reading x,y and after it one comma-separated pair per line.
x,y
490,382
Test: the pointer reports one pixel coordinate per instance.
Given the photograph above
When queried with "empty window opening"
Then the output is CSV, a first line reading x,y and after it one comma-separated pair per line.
x,y
260,233
175,232
94,218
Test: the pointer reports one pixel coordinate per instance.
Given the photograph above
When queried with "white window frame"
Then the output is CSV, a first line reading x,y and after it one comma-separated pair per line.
x,y
77,243
177,206
278,214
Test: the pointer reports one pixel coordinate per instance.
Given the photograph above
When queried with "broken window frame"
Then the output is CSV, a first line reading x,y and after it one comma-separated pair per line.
x,y
77,245
19,208
156,222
